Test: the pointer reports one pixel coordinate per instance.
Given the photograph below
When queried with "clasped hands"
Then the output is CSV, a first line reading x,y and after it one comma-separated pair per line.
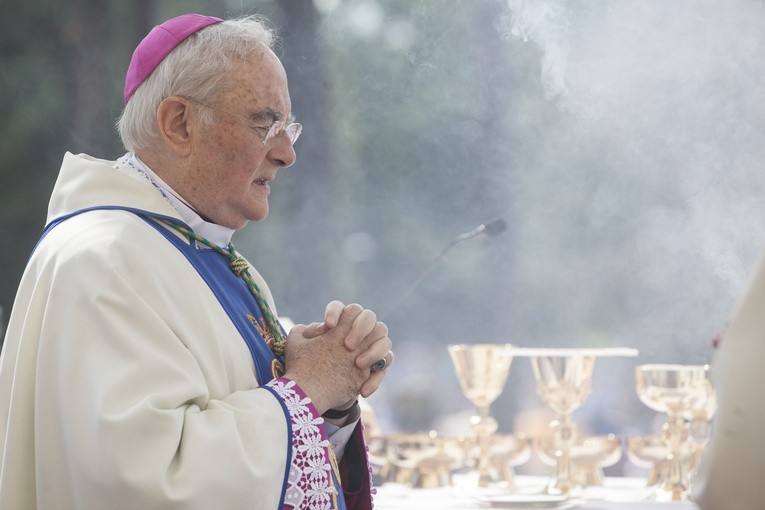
x,y
332,360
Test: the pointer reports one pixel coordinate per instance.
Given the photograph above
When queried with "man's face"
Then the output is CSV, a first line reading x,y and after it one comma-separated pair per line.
x,y
231,167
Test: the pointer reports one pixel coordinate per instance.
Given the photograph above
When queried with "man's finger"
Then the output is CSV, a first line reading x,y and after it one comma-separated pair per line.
x,y
332,313
362,326
315,329
380,349
371,384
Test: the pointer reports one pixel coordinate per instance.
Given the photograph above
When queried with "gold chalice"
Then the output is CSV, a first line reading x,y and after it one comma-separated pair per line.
x,y
564,380
675,390
482,371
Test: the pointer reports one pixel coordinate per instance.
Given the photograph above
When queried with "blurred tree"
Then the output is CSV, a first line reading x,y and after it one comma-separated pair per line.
x,y
61,92
33,126
89,29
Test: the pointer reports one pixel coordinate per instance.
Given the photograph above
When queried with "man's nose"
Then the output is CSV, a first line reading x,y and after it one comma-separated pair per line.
x,y
281,151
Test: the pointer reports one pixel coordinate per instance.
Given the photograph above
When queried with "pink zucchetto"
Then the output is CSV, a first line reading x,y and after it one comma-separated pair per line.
x,y
158,43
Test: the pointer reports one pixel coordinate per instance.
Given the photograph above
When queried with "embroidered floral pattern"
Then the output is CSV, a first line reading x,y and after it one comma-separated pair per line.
x,y
309,483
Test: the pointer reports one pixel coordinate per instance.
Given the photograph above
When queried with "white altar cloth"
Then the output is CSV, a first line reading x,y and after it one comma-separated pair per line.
x,y
616,494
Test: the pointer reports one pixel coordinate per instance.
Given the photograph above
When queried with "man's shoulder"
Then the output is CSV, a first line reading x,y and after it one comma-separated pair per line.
x,y
103,234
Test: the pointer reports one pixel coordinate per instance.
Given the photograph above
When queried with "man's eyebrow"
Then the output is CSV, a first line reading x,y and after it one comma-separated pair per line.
x,y
269,114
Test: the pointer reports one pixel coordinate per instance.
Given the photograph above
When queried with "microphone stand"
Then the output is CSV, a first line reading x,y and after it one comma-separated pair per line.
x,y
492,228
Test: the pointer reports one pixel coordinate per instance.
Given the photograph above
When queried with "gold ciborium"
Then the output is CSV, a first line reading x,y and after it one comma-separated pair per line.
x,y
482,371
651,453
675,390
507,451
421,460
589,455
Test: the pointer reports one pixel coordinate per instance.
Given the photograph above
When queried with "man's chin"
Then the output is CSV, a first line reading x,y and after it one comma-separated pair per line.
x,y
256,216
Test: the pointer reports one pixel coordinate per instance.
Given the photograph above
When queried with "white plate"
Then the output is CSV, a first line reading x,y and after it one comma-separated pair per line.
x,y
525,501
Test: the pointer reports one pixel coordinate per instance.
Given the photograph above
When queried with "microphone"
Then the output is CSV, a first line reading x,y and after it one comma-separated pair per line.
x,y
489,229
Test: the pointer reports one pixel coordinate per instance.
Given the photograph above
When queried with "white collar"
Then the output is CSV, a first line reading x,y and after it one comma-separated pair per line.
x,y
131,165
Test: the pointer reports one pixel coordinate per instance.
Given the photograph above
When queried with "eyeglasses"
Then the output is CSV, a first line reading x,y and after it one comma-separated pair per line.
x,y
292,129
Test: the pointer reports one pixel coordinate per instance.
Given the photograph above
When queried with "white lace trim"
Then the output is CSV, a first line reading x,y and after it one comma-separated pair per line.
x,y
309,483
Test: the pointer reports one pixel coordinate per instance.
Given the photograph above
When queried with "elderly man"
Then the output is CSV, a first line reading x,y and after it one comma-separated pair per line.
x,y
143,365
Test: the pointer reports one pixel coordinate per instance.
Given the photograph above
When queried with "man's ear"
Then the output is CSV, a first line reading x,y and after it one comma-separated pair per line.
x,y
173,121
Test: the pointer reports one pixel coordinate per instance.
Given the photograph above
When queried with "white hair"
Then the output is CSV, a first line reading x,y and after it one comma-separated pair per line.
x,y
196,69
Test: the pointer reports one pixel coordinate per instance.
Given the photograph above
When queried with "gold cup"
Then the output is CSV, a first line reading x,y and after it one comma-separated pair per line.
x,y
651,453
424,460
676,390
482,371
589,455
564,380
507,451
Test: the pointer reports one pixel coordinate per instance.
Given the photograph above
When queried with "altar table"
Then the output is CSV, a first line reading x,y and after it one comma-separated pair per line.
x,y
617,493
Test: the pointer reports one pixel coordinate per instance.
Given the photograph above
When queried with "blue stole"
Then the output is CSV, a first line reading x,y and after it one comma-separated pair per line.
x,y
233,295
340,498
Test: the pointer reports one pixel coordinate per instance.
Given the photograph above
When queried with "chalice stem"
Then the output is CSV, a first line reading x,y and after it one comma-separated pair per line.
x,y
484,426
563,477
676,483
563,471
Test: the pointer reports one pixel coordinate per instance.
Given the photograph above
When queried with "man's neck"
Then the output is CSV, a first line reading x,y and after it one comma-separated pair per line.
x,y
142,169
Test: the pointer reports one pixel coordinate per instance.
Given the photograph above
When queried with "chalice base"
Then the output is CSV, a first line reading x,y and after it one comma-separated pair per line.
x,y
472,479
487,479
557,487
668,492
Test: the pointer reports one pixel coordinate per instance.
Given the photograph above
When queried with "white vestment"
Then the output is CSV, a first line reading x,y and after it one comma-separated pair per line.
x,y
123,383
732,473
